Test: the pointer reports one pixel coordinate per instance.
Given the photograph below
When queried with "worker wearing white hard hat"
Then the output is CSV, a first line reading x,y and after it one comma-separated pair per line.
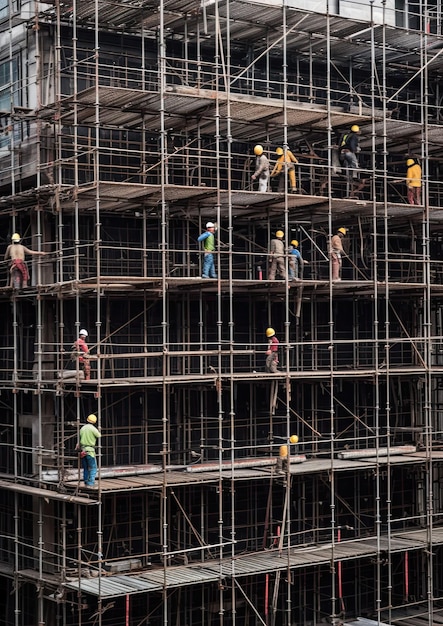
x,y
208,240
81,354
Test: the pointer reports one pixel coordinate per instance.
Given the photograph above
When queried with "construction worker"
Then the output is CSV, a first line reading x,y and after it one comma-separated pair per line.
x,y
277,256
285,163
208,246
349,148
272,351
16,252
261,168
413,181
336,252
89,434
295,261
81,352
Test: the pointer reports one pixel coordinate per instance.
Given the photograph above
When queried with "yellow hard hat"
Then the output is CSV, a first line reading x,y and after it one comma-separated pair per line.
x,y
15,237
355,129
294,243
342,230
280,234
279,151
410,162
270,332
92,419
258,149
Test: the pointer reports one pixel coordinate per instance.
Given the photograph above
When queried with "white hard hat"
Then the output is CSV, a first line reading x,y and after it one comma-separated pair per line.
x,y
210,225
83,332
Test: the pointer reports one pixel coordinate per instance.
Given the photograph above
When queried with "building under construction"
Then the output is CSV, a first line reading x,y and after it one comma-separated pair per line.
x,y
127,126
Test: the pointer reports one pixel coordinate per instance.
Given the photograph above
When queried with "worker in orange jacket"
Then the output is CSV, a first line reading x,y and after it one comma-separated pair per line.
x,y
413,181
285,163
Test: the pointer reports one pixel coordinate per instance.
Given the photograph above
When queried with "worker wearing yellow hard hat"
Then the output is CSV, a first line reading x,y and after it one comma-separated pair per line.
x,y
18,269
272,351
413,181
88,436
277,256
348,150
285,163
261,172
336,252
296,261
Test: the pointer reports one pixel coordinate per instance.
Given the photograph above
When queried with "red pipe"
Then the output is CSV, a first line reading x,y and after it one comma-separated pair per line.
x,y
127,610
406,576
266,596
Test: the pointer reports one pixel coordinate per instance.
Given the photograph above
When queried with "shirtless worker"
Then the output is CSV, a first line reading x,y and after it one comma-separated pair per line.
x,y
17,252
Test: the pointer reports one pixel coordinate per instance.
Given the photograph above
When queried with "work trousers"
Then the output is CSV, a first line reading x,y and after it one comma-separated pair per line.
x,y
271,363
208,266
89,464
293,269
282,179
414,195
86,367
263,181
277,262
350,161
336,265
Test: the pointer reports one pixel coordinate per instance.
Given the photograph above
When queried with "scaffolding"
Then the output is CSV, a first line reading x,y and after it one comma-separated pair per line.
x,y
225,494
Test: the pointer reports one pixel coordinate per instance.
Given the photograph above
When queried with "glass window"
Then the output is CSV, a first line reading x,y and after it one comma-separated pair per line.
x,y
9,84
10,95
4,7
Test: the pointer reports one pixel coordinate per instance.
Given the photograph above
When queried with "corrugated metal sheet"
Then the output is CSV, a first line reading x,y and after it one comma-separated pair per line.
x,y
252,21
362,621
176,478
253,564
120,106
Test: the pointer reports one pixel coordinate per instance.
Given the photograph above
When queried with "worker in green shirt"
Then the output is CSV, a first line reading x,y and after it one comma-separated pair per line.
x,y
208,246
88,439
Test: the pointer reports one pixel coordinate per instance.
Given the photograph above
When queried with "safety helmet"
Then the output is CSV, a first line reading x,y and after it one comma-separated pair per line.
x,y
83,332
355,129
92,419
210,225
15,237
294,243
410,162
270,332
258,149
342,230
279,151
280,234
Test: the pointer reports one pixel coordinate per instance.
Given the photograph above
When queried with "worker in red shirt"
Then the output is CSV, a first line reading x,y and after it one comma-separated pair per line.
x,y
81,352
272,351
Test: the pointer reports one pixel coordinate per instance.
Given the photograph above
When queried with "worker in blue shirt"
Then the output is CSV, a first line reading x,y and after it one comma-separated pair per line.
x,y
208,246
295,261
